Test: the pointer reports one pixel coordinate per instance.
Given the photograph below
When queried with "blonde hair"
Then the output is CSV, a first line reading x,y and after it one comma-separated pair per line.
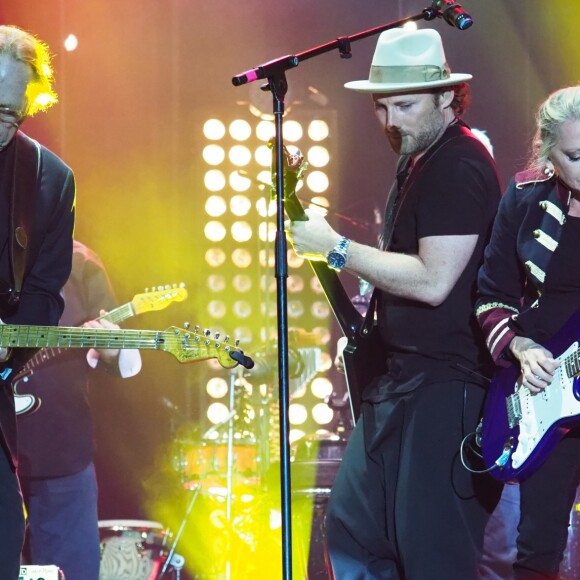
x,y
25,47
561,106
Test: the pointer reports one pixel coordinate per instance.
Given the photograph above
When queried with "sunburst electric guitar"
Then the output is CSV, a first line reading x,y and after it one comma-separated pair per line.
x,y
362,355
520,429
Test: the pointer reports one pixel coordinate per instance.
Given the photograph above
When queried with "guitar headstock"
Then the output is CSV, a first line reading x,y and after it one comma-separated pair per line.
x,y
196,345
158,299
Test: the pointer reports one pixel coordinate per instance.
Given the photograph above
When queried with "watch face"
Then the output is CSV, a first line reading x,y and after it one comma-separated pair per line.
x,y
336,260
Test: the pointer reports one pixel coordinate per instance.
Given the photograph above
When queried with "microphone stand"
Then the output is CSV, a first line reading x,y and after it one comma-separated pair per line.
x,y
275,73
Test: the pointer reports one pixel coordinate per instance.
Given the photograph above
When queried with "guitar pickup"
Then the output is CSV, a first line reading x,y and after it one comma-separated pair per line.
x,y
514,410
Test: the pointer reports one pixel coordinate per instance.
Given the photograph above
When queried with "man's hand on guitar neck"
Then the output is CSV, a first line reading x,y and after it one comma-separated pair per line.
x,y
536,363
312,239
338,359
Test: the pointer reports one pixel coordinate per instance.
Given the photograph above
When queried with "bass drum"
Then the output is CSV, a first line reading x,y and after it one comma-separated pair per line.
x,y
132,549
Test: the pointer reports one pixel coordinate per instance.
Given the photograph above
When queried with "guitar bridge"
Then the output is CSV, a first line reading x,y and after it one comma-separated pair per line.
x,y
514,410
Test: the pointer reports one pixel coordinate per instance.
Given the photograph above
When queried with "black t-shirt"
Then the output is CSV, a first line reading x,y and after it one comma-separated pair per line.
x,y
561,293
452,190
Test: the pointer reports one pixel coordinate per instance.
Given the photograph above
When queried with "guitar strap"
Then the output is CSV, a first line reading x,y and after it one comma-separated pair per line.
x,y
393,199
26,177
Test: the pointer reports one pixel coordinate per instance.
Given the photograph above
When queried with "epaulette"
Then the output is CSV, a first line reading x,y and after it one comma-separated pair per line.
x,y
530,176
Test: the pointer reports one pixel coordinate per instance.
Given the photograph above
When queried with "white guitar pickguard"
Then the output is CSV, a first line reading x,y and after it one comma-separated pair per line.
x,y
541,411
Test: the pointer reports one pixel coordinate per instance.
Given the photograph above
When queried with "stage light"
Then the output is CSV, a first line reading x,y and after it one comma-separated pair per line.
x,y
317,181
321,388
216,309
215,206
297,414
295,434
322,413
318,156
292,131
266,258
322,334
266,207
241,258
71,43
267,231
240,205
295,283
263,156
217,387
217,413
294,260
295,308
214,180
241,231
215,231
320,309
215,257
239,182
216,282
265,130
214,129
318,130
240,130
242,309
240,155
213,154
242,283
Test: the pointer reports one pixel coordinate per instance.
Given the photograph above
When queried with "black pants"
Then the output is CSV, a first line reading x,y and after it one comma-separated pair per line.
x,y
403,507
547,497
11,520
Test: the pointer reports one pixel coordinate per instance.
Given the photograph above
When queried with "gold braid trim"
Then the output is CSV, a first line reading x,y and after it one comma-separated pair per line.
x,y
492,305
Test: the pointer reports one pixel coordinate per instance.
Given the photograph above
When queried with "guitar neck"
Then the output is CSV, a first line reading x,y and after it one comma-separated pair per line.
x,y
20,336
44,355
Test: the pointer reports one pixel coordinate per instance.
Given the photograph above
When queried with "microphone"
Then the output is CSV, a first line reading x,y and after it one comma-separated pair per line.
x,y
453,14
265,70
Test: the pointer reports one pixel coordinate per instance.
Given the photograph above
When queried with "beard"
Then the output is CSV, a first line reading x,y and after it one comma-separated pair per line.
x,y
407,143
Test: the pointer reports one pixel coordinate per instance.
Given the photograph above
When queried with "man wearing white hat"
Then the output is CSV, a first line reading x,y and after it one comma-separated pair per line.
x,y
403,506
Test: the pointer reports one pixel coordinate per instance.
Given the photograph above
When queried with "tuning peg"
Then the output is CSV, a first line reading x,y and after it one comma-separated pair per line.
x,y
186,325
227,338
216,335
237,342
206,331
196,329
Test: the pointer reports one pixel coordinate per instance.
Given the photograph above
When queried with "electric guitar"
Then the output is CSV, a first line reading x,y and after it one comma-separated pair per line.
x,y
520,429
146,302
362,355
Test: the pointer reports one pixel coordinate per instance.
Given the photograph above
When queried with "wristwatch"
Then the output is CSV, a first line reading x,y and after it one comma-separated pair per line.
x,y
336,258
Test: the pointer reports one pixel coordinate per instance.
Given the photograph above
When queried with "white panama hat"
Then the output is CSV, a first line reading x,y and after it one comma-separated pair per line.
x,y
408,60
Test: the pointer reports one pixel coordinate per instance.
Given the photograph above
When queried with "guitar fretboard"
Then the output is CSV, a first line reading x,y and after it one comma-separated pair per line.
x,y
572,364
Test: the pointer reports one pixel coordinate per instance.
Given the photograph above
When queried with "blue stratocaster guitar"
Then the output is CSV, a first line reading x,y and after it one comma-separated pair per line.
x,y
520,429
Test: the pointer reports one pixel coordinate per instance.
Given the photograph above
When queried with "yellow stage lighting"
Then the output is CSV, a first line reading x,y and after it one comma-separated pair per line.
x,y
242,283
297,414
215,257
321,387
241,231
295,434
214,129
216,309
239,182
265,130
320,309
71,43
240,130
295,283
213,154
240,205
241,258
294,260
267,231
263,156
215,205
267,258
214,180
242,309
322,413
240,155
266,207
217,388
217,413
216,282
214,231
295,308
